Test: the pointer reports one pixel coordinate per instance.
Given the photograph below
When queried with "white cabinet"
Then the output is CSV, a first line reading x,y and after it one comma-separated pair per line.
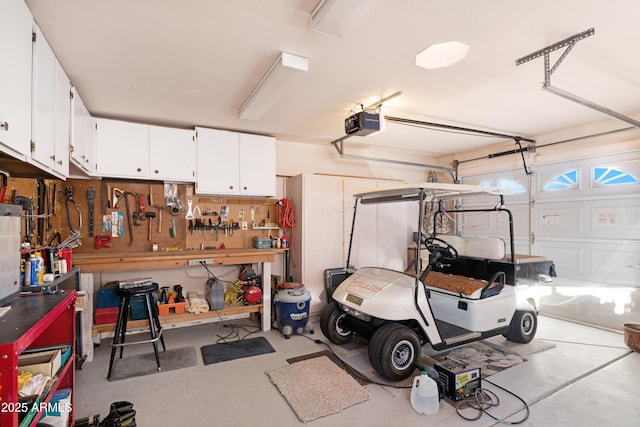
x,y
140,151
231,163
172,154
122,149
15,78
323,208
51,110
82,138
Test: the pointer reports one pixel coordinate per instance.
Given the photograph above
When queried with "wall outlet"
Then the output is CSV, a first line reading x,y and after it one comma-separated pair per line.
x,y
244,225
199,261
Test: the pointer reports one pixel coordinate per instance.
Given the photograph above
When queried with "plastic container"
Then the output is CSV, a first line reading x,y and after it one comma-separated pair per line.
x,y
424,395
632,336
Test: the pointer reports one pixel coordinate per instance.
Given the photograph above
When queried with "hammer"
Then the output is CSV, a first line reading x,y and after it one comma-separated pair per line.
x,y
150,215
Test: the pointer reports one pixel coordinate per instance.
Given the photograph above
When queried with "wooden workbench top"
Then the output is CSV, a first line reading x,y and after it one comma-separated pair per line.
x,y
108,262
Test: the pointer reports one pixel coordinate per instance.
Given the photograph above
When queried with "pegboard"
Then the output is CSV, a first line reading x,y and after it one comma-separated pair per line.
x,y
219,222
105,205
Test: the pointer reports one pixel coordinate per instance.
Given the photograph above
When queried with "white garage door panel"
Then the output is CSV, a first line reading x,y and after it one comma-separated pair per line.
x,y
570,258
615,219
558,220
615,264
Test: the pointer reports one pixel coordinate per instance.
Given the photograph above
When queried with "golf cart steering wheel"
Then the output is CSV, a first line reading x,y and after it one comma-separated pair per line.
x,y
446,252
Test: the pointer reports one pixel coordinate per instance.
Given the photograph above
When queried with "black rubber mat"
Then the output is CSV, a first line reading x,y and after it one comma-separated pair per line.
x,y
215,353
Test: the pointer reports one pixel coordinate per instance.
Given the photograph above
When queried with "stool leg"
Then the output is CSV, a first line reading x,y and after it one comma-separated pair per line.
x,y
116,335
152,327
125,319
156,318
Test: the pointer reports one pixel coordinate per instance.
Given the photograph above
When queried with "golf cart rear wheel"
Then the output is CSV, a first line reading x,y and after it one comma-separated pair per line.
x,y
333,324
523,326
393,351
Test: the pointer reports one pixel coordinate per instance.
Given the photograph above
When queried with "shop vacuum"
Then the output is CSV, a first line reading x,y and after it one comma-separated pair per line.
x,y
292,303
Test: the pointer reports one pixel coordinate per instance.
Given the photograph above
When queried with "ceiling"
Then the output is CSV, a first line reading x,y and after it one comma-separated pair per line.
x,y
194,62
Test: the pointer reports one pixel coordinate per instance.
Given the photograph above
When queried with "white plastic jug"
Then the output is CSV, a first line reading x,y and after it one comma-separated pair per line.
x,y
424,395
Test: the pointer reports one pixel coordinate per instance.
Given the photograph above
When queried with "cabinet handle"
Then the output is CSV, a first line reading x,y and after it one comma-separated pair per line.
x,y
60,162
231,187
139,170
156,171
244,188
5,126
53,157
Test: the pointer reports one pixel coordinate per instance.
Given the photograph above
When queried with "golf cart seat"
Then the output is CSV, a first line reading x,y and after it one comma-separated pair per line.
x,y
466,287
483,247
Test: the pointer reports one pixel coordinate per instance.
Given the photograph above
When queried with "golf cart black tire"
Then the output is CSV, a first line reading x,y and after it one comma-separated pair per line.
x,y
523,326
382,346
330,324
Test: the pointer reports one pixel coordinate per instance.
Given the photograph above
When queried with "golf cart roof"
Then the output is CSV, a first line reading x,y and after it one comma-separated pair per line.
x,y
431,190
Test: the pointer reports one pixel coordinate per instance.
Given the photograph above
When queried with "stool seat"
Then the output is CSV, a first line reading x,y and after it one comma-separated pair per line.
x,y
137,291
155,328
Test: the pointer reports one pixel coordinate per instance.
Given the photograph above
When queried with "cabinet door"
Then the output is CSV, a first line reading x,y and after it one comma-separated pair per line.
x,y
217,161
257,165
172,154
62,121
44,107
82,132
122,149
15,78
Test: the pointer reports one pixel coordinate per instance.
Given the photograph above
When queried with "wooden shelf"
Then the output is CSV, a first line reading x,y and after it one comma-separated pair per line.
x,y
109,262
186,317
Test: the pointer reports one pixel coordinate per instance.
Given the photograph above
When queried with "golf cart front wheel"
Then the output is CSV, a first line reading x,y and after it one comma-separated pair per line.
x,y
523,326
333,324
393,351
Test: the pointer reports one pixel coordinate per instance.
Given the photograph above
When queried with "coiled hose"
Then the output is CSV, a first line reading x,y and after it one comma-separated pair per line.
x,y
286,220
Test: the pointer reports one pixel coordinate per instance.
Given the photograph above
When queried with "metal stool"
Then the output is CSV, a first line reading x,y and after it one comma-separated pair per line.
x,y
121,325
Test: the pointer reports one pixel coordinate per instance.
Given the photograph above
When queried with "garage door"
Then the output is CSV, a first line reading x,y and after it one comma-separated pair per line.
x,y
585,216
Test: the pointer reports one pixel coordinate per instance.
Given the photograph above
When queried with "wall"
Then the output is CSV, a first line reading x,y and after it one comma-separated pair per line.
x,y
295,158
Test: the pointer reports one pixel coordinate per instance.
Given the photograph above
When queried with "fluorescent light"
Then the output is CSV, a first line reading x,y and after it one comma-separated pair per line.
x,y
441,55
334,17
267,92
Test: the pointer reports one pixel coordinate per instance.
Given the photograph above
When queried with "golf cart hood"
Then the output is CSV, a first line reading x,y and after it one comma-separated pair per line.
x,y
428,190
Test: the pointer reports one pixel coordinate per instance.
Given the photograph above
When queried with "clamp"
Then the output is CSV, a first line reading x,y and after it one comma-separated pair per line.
x,y
102,241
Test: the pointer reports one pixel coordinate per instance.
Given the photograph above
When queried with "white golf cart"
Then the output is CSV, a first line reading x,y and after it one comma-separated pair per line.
x,y
469,290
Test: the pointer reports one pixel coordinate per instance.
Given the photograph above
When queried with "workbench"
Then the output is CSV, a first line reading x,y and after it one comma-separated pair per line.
x,y
122,262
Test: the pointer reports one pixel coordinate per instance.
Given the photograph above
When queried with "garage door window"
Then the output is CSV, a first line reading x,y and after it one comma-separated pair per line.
x,y
605,176
567,180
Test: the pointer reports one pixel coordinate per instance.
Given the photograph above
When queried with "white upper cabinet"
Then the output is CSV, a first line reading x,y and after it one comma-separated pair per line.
x,y
15,78
135,150
245,165
82,142
51,110
122,149
172,154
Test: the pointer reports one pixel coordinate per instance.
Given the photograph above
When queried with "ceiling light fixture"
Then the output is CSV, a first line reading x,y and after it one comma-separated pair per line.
x,y
267,92
441,55
334,17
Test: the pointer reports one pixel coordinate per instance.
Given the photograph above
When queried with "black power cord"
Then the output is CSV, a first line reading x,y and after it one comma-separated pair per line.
x,y
482,400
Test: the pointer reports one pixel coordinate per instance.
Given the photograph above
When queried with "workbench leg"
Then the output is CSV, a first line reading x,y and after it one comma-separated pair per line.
x,y
266,296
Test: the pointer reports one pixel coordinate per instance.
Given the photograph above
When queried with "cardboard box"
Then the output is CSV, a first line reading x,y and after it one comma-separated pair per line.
x,y
46,363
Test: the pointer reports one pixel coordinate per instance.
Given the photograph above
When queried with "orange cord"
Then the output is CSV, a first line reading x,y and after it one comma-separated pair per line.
x,y
286,220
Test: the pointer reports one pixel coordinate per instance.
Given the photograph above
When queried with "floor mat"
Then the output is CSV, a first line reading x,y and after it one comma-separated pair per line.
x,y
503,344
362,380
316,387
215,353
489,359
145,364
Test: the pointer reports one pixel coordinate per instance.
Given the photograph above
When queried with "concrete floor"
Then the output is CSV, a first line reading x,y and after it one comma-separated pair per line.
x,y
586,380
